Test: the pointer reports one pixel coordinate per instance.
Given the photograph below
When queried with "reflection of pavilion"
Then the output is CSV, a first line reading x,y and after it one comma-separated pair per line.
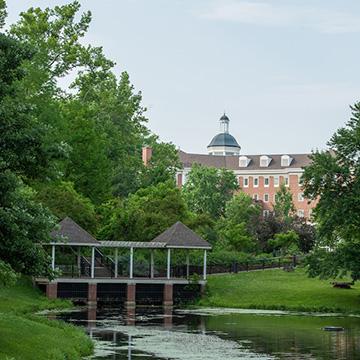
x,y
96,271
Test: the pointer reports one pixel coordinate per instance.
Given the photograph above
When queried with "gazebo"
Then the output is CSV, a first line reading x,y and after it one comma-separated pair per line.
x,y
178,236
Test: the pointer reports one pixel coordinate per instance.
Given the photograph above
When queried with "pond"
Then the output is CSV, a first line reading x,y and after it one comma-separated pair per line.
x,y
213,334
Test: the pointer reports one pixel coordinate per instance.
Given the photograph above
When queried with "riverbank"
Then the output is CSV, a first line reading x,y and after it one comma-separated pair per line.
x,y
279,290
25,336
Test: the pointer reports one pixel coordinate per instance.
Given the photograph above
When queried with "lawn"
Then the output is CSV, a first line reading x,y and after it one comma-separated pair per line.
x,y
25,336
277,289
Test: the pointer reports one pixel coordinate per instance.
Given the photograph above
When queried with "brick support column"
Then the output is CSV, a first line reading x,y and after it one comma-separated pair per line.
x,y
51,290
92,294
168,295
130,295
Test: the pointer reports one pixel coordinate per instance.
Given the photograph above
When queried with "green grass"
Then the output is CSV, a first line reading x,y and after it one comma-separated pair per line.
x,y
25,336
277,289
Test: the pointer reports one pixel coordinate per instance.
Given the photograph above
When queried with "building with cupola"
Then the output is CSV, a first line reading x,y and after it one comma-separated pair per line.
x,y
259,175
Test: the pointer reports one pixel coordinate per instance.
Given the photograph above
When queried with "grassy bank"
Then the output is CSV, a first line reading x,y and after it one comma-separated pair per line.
x,y
277,289
25,336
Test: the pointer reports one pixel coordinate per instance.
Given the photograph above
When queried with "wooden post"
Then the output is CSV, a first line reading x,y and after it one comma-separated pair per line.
x,y
116,262
92,294
53,257
168,274
151,264
187,264
131,270
92,262
204,271
168,295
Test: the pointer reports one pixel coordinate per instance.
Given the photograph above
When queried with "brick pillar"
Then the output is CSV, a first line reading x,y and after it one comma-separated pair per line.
x,y
168,316
92,294
130,315
179,180
130,295
168,295
51,290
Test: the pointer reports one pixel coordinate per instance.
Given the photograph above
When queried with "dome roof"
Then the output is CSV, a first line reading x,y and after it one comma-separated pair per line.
x,y
224,117
224,139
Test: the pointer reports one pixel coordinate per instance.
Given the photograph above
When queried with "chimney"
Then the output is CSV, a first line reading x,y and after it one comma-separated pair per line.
x,y
146,155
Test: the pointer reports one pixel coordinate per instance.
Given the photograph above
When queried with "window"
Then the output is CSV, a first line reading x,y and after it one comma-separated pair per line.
x,y
256,197
246,182
266,181
276,181
256,182
300,196
265,161
286,160
301,213
286,180
266,197
244,161
266,213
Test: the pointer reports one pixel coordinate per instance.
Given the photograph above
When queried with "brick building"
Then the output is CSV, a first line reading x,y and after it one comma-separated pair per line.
x,y
259,175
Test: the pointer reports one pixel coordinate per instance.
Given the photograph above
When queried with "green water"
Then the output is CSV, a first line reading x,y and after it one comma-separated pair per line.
x,y
149,333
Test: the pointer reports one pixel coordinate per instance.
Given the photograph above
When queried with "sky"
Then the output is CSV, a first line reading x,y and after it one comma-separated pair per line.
x,y
285,71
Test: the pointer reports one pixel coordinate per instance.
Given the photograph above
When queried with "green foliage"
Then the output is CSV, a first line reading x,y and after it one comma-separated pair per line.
x,y
145,214
333,178
163,164
3,13
284,207
286,242
63,200
207,190
236,227
7,275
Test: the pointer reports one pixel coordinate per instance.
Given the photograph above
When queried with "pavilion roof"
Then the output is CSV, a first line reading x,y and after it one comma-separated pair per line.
x,y
69,232
180,236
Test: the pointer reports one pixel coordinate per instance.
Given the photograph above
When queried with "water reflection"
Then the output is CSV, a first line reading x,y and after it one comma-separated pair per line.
x,y
164,333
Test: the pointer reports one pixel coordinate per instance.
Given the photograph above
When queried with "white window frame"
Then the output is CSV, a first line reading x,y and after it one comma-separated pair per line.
x,y
287,180
266,213
301,197
277,181
268,181
256,197
266,196
301,213
247,180
257,178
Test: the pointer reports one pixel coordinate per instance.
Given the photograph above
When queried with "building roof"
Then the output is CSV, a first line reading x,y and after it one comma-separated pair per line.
x,y
224,139
133,244
180,236
231,162
70,232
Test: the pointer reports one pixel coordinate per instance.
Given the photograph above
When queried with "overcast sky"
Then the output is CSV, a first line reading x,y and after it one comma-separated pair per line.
x,y
285,71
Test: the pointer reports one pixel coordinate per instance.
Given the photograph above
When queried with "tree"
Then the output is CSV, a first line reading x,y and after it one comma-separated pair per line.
x,y
163,164
24,224
286,242
145,214
333,178
284,207
207,190
63,200
236,228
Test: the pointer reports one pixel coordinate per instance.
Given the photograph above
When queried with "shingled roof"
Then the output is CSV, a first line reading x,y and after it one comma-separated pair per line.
x,y
180,236
70,232
231,162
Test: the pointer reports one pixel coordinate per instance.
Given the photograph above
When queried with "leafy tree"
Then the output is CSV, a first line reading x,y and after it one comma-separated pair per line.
x,y
145,214
284,207
163,164
3,13
286,242
24,223
207,190
7,275
236,228
333,178
63,200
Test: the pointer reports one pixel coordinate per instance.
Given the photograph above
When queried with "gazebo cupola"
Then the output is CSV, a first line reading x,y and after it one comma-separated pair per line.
x,y
224,143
